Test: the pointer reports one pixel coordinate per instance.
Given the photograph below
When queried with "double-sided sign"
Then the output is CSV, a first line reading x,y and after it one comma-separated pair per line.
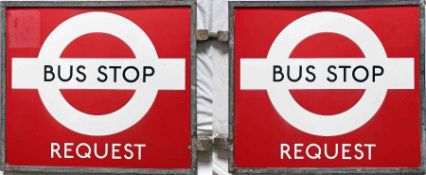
x,y
98,86
327,87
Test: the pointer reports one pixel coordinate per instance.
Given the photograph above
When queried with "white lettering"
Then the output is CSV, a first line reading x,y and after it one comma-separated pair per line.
x,y
54,150
115,151
105,152
359,151
85,155
129,151
317,154
297,150
67,150
370,147
345,150
139,146
314,151
285,148
336,152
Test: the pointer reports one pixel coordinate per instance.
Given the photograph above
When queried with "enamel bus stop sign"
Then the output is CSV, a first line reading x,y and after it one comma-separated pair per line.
x,y
97,88
332,88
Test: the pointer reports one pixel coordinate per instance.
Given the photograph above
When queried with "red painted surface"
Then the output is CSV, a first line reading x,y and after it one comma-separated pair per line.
x,y
259,128
165,129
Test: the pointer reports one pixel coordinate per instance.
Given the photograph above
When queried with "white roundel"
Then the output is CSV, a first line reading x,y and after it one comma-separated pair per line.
x,y
170,73
279,54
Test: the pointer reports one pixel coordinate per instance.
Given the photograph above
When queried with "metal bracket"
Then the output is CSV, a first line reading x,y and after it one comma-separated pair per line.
x,y
221,142
204,35
204,143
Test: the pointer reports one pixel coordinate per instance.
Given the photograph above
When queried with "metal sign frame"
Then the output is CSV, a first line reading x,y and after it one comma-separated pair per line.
x,y
326,3
192,4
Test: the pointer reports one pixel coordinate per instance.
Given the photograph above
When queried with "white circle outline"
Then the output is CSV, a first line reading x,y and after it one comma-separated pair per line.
x,y
133,110
357,115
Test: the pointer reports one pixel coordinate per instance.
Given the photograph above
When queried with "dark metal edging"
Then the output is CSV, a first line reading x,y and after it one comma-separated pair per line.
x,y
94,4
326,3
